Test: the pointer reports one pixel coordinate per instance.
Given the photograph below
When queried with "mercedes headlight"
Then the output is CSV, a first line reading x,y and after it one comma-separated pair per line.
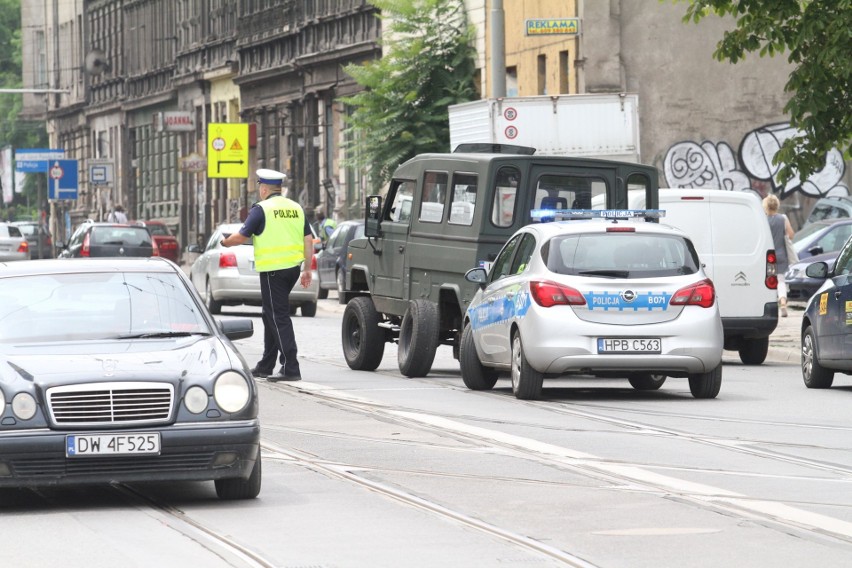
x,y
24,406
195,400
232,391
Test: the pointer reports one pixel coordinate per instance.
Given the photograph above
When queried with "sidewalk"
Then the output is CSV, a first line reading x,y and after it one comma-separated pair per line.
x,y
785,343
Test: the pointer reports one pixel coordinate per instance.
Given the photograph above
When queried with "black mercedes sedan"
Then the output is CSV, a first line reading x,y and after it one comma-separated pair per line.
x,y
113,370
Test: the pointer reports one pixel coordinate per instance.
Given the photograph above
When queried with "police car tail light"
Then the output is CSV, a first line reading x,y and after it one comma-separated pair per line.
x,y
771,270
313,262
227,260
547,294
621,229
84,251
24,247
699,294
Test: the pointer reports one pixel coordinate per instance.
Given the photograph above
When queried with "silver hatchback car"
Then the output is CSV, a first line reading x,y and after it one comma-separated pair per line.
x,y
607,297
226,276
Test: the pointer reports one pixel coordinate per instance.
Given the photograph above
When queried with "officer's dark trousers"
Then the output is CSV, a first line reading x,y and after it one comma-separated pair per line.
x,y
278,336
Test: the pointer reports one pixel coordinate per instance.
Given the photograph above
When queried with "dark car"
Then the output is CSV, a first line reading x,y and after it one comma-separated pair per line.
x,y
112,370
826,329
800,286
166,242
40,243
331,261
821,237
109,239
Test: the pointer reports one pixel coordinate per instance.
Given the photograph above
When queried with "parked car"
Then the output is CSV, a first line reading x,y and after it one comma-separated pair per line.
x,y
37,236
800,286
826,329
331,261
602,297
113,371
821,237
13,244
166,242
225,276
92,239
831,207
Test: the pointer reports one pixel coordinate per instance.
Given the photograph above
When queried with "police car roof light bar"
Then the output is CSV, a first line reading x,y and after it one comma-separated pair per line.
x,y
546,215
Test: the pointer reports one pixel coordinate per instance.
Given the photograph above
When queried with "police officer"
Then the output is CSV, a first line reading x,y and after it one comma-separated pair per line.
x,y
325,226
282,241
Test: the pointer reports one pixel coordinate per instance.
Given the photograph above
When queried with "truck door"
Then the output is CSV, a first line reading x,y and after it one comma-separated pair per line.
x,y
570,187
390,263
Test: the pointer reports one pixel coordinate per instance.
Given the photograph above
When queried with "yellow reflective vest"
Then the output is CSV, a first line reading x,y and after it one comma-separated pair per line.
x,y
282,242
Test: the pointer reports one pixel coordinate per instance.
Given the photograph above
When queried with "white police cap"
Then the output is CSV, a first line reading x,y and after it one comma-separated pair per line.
x,y
270,177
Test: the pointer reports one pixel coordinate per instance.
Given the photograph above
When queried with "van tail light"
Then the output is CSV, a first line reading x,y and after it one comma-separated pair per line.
x,y
314,262
699,294
771,270
227,260
547,294
84,250
24,247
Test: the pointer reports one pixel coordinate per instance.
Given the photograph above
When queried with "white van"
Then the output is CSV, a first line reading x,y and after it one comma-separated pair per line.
x,y
732,237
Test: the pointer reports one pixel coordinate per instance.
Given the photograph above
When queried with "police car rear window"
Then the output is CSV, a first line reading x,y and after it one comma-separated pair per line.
x,y
623,255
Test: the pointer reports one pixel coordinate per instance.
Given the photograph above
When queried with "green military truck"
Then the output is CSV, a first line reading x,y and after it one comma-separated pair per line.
x,y
444,214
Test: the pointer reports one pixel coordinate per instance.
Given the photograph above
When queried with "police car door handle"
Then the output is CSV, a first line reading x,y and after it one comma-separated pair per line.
x,y
401,248
510,295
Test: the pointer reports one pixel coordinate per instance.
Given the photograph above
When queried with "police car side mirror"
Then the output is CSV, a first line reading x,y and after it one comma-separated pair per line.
x,y
193,248
477,275
817,270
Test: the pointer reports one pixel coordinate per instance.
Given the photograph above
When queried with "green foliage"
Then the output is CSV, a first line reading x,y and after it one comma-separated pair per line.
x,y
429,64
13,131
817,37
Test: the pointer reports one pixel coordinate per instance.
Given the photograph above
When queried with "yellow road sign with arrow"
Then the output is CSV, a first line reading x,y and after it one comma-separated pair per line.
x,y
227,150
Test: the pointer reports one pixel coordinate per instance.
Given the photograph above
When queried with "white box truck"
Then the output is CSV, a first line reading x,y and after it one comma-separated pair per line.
x,y
590,126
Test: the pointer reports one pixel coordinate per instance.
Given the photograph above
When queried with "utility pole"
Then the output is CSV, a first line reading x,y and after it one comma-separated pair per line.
x,y
498,49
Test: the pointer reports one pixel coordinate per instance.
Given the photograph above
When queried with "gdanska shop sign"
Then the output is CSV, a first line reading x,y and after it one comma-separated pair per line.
x,y
174,121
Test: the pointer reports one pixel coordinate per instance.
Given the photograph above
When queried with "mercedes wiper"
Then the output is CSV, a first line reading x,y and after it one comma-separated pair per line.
x,y
158,334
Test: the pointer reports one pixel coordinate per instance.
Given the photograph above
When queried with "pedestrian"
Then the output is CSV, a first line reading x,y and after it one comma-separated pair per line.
x,y
325,226
779,226
282,239
117,215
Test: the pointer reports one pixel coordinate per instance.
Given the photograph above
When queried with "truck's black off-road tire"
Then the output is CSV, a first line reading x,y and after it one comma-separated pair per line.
x,y
241,488
815,375
646,381
418,338
474,374
362,339
754,351
526,381
706,385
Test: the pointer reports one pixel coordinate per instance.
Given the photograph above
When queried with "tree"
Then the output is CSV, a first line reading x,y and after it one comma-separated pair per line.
x,y
428,65
817,35
13,131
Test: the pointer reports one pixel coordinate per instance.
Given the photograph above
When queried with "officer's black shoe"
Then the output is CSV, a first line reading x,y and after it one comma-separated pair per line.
x,y
260,373
282,377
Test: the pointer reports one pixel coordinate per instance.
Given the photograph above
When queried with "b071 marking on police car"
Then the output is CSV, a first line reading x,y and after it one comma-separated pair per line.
x,y
627,300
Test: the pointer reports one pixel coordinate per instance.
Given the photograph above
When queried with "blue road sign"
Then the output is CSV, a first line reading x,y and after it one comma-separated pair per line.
x,y
63,179
35,160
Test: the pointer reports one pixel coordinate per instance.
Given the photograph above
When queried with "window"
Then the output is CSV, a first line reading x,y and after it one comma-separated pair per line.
x,y
557,191
434,197
525,252
511,81
542,74
402,197
502,266
506,185
463,199
564,73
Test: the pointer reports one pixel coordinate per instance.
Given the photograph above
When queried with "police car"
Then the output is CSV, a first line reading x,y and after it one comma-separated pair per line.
x,y
603,294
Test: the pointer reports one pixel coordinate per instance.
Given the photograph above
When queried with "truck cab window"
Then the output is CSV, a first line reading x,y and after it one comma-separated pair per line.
x,y
401,196
463,199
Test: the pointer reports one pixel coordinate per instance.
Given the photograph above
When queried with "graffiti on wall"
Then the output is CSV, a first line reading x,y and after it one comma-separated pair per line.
x,y
709,165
